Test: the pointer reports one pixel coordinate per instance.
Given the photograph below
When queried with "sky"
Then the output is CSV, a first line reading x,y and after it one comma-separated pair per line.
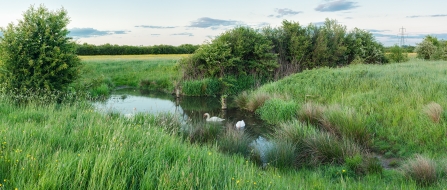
x,y
176,22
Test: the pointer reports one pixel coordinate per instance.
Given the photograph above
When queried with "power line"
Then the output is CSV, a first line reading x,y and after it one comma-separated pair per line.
x,y
402,36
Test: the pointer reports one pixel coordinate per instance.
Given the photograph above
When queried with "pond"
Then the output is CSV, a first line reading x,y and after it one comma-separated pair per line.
x,y
190,109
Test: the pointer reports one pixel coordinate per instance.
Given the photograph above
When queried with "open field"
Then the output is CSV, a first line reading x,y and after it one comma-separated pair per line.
x,y
132,57
101,74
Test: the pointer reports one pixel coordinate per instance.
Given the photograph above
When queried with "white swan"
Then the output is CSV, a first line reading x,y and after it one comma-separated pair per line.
x,y
208,118
240,124
131,115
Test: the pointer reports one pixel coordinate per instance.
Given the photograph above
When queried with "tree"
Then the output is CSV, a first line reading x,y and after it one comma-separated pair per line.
x,y
37,54
398,54
426,48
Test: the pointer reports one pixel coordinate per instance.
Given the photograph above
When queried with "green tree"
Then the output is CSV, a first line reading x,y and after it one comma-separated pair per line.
x,y
426,48
37,54
397,54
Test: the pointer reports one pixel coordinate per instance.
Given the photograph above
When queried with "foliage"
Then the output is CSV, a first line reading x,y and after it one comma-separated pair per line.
x,y
273,53
237,52
397,54
37,54
432,49
362,45
108,49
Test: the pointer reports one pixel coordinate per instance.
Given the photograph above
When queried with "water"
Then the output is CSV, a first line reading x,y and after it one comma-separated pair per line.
x,y
191,109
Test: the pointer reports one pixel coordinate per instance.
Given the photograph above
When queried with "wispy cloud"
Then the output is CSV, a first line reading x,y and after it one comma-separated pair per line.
x,y
284,12
262,24
155,34
318,23
377,31
206,22
334,6
183,34
418,16
155,27
91,32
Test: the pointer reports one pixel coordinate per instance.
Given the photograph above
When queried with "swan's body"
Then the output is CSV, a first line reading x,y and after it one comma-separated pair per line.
x,y
131,115
215,119
240,124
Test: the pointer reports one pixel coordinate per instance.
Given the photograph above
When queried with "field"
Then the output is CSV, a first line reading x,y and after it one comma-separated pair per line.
x,y
71,146
101,74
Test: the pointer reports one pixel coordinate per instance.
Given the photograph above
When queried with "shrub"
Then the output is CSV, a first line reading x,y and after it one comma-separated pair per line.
x,y
398,54
37,52
426,48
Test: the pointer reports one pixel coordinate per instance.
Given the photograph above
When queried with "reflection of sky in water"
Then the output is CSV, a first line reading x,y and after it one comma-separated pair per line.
x,y
140,103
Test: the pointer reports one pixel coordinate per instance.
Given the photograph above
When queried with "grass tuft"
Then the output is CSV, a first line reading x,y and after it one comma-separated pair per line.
x,y
433,111
421,169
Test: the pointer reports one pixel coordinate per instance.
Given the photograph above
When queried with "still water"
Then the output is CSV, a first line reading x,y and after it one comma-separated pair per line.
x,y
190,109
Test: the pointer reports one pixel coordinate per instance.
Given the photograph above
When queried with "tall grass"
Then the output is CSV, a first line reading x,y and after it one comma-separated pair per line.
x,y
70,146
421,169
388,99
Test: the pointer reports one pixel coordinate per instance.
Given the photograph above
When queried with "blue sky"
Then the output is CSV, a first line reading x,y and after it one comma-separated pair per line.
x,y
175,22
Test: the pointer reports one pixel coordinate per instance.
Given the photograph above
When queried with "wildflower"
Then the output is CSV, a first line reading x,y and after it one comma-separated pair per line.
x,y
343,171
254,183
0,185
209,153
237,182
232,178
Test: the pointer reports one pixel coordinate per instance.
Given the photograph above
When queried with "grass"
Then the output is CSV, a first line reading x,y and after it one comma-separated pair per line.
x,y
70,146
422,170
389,103
101,74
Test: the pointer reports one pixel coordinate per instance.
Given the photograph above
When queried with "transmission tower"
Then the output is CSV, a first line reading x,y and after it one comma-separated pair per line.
x,y
402,36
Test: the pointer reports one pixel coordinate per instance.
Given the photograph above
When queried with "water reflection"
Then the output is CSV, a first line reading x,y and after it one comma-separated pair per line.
x,y
191,109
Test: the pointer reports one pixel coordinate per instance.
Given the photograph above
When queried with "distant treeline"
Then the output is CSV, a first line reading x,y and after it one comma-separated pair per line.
x,y
108,49
406,48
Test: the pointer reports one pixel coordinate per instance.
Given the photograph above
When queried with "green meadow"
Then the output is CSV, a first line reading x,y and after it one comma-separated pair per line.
x,y
329,122
101,74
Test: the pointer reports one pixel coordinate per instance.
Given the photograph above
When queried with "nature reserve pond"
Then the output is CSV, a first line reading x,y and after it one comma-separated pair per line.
x,y
189,109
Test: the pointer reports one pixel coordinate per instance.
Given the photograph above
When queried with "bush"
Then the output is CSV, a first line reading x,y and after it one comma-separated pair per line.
x,y
398,55
37,52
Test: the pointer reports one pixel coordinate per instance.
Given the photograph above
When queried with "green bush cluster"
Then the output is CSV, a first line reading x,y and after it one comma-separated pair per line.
x,y
432,49
397,54
37,54
272,53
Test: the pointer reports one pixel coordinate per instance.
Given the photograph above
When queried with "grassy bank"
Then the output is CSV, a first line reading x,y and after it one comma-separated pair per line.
x,y
74,147
101,74
399,105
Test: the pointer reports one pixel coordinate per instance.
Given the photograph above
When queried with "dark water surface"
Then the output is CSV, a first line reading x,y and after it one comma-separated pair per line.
x,y
191,109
